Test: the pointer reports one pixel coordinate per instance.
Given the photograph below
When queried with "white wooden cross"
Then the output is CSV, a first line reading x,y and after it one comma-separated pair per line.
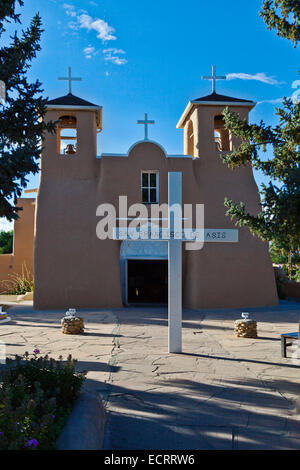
x,y
146,122
175,256
70,79
174,268
214,78
175,261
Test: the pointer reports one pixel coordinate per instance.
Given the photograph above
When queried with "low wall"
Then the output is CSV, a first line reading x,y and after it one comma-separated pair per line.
x,y
6,265
292,289
22,256
84,429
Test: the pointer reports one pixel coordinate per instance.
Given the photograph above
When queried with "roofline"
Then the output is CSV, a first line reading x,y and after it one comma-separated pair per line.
x,y
142,142
97,109
191,104
64,106
227,103
184,115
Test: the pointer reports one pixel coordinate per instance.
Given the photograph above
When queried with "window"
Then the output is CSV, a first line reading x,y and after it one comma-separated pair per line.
x,y
221,135
150,187
67,135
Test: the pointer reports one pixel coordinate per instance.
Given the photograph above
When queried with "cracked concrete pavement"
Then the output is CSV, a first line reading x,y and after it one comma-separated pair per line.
x,y
223,392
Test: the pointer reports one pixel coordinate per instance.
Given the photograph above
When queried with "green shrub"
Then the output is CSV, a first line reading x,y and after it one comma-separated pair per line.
x,y
36,396
19,284
295,271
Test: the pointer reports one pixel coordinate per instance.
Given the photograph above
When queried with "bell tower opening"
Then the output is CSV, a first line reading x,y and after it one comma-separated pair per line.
x,y
221,135
67,135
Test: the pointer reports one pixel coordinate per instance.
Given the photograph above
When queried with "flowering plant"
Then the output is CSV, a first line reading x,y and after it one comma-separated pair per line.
x,y
36,396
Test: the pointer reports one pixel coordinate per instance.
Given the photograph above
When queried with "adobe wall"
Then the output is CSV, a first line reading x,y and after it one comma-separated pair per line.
x,y
23,243
73,268
226,275
292,289
6,264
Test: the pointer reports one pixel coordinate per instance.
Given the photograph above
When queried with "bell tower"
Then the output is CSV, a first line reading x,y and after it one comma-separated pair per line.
x,y
74,145
241,273
75,142
66,200
203,124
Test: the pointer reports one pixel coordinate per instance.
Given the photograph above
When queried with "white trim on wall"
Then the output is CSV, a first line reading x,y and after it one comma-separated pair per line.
x,y
143,142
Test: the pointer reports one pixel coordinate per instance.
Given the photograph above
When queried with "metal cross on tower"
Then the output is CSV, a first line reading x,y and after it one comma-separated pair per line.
x,y
214,78
146,122
70,79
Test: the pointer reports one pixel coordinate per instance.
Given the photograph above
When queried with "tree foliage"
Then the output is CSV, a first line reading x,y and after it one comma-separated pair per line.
x,y
21,124
279,219
290,262
280,216
284,17
6,242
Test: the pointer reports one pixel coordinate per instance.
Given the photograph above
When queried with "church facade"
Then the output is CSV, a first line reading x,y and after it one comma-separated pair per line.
x,y
74,268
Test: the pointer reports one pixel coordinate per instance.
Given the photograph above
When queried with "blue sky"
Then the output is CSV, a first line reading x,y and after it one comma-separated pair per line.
x,y
137,56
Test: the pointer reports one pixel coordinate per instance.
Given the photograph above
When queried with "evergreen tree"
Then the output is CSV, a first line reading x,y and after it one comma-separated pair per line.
x,y
21,126
290,262
279,220
283,16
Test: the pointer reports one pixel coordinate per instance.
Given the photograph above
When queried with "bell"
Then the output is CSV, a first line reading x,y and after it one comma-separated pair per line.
x,y
70,149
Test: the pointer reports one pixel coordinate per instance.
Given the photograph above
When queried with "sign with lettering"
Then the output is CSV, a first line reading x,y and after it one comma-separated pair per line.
x,y
156,233
221,235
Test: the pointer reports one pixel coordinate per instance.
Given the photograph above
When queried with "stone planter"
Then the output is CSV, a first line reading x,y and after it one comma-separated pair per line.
x,y
72,326
245,328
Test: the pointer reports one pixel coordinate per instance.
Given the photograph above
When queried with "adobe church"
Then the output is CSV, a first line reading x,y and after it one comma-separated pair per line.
x,y
74,268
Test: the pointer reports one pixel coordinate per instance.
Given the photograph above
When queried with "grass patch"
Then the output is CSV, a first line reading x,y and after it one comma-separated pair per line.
x,y
19,284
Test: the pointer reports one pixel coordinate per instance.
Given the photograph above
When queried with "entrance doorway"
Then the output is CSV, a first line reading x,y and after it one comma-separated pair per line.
x,y
147,281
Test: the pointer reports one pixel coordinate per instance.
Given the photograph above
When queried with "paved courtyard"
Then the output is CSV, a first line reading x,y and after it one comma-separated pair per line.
x,y
223,392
